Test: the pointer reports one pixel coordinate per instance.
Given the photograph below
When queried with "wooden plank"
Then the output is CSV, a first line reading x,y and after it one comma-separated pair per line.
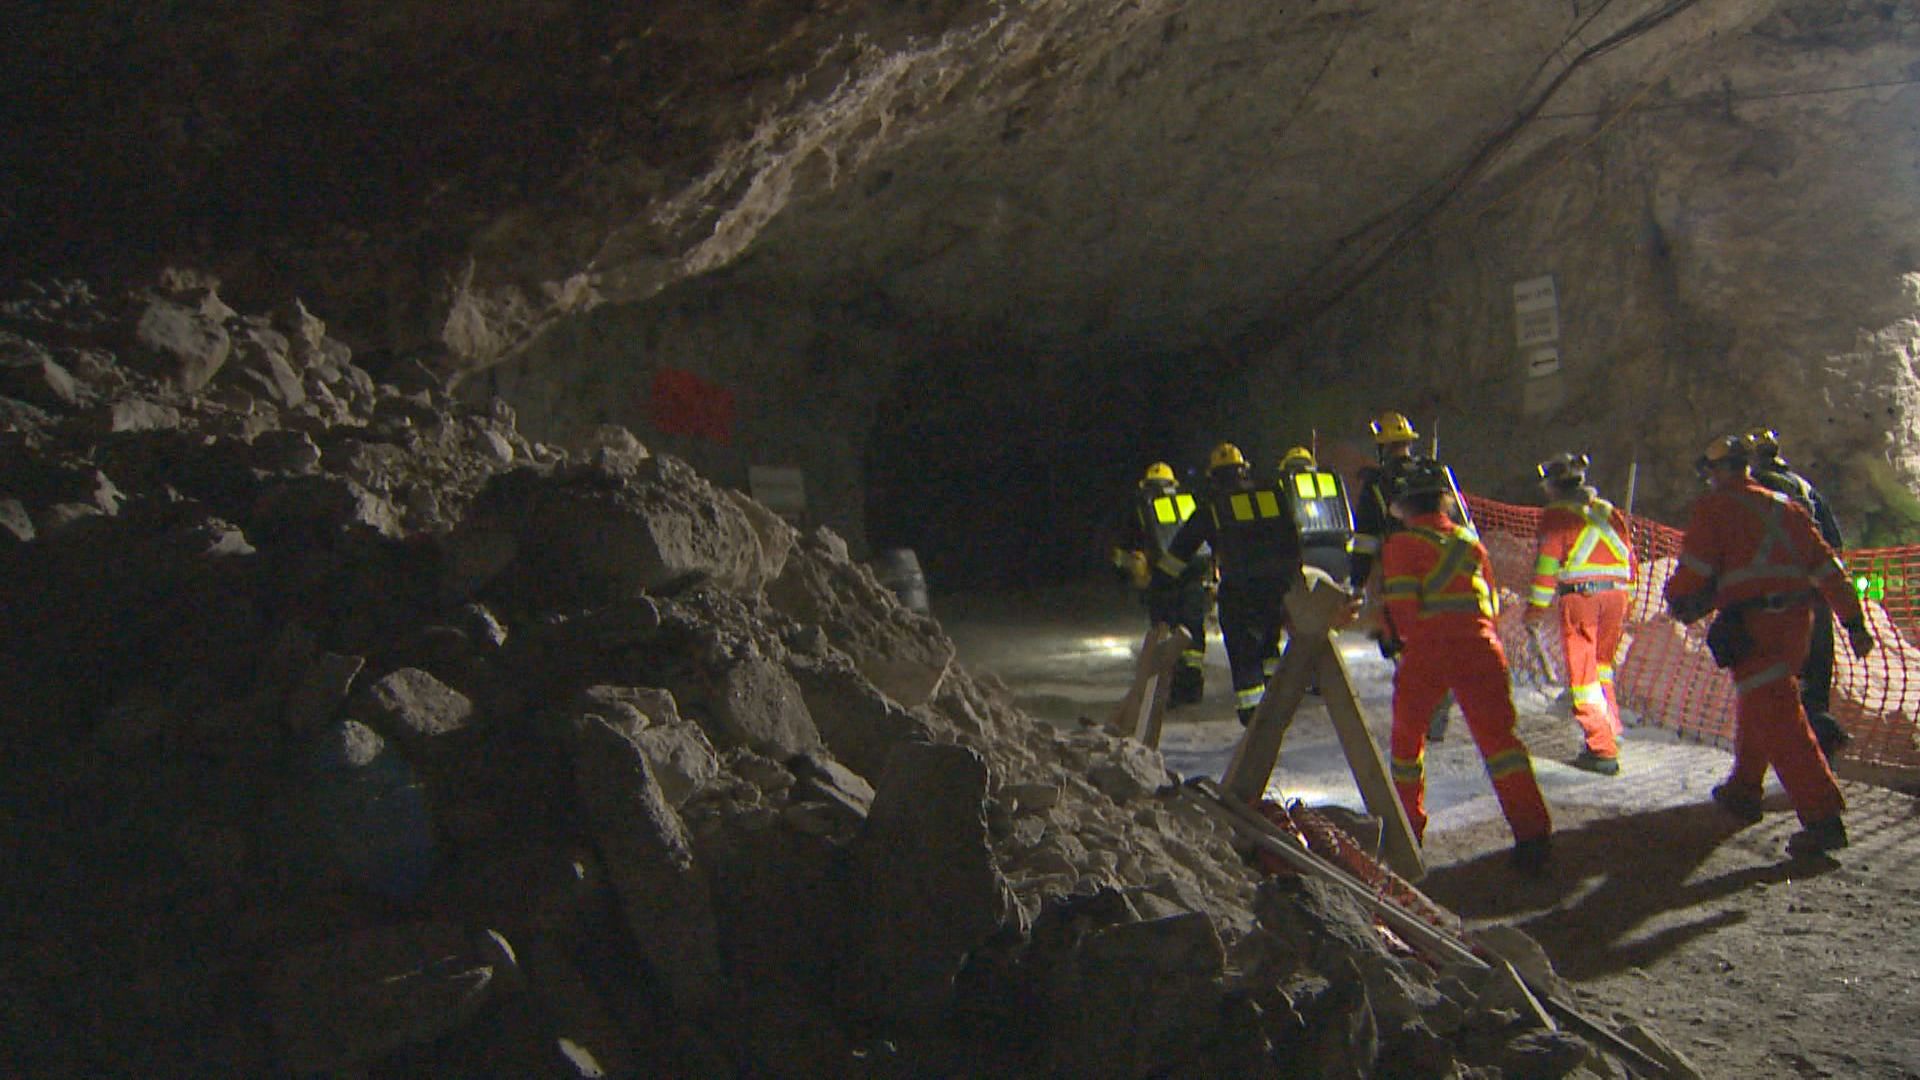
x,y
1168,655
1126,716
1370,772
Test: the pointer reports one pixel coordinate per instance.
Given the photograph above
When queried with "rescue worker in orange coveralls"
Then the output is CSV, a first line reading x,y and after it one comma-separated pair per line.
x,y
1757,557
1582,557
1441,602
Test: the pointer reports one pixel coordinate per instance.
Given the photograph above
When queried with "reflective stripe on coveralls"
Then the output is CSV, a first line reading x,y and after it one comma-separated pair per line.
x,y
1440,594
1579,566
1746,543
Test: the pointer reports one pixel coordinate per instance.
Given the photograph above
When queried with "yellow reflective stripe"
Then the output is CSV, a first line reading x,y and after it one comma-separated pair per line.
x,y
1249,697
1508,762
1255,505
1546,565
1164,510
1589,694
1329,487
1409,771
1541,596
1364,544
1303,485
1183,502
1606,673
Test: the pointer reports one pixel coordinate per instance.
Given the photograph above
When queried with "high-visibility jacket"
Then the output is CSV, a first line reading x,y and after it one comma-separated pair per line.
x,y
1581,544
1317,499
1250,529
1438,580
1746,543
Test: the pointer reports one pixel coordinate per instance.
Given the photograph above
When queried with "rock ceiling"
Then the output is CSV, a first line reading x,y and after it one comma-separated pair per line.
x,y
1342,188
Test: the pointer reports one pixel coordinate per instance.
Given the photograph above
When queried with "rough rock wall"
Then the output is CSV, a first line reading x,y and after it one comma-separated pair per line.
x,y
1729,242
351,732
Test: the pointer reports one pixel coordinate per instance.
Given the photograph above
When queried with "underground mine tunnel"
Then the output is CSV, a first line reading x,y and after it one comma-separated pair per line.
x,y
446,448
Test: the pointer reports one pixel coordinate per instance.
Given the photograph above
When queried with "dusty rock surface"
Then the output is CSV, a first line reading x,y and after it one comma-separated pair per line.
x,y
1751,964
338,743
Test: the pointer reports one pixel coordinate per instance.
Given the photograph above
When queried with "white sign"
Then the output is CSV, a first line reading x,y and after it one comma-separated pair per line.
x,y
780,489
1536,312
1542,362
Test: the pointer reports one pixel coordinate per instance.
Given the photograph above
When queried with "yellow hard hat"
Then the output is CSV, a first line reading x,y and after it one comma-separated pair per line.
x,y
1226,455
1159,470
1766,442
1392,427
1298,456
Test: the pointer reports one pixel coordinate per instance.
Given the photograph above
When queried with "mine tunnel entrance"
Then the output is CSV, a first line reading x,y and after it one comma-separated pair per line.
x,y
1006,470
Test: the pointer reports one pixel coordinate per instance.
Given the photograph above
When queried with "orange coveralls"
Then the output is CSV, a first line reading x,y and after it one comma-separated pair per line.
x,y
1438,585
1746,543
1582,555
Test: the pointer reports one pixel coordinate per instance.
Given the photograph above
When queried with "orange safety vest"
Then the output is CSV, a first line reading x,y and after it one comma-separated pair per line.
x,y
1580,543
1748,543
1436,574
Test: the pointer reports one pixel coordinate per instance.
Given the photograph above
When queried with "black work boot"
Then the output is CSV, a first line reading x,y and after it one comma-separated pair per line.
x,y
1743,806
1531,856
1603,764
1819,837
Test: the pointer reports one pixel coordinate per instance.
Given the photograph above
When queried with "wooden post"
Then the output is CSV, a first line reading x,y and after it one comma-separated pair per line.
x,y
1126,715
1171,646
1317,608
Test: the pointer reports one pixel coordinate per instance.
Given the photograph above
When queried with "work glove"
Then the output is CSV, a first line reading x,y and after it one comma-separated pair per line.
x,y
1137,570
1859,638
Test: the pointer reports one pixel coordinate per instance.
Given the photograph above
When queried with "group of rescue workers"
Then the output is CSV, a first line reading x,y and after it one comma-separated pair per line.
x,y
1759,549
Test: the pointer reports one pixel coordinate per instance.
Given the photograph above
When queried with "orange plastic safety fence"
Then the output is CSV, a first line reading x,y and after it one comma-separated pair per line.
x,y
1664,674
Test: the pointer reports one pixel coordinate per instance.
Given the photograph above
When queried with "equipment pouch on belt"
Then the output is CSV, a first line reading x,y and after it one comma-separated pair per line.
x,y
1728,639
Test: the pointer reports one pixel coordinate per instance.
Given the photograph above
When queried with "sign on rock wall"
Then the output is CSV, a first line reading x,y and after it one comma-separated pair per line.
x,y
1536,332
780,489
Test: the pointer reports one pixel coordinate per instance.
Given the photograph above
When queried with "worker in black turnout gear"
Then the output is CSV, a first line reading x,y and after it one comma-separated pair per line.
x,y
1318,499
1816,676
1373,520
1256,551
1155,513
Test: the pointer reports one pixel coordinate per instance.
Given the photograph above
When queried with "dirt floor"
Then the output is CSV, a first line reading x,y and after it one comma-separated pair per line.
x,y
1659,909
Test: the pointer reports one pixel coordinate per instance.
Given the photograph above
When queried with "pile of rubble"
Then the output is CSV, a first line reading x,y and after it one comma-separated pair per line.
x,y
348,730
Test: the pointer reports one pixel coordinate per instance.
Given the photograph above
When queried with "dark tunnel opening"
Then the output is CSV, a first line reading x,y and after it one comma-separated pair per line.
x,y
1009,471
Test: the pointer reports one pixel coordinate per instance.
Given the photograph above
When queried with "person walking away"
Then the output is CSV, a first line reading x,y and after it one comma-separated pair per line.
x,y
1755,557
1256,552
1584,559
1373,520
1153,515
1317,498
1441,602
1816,678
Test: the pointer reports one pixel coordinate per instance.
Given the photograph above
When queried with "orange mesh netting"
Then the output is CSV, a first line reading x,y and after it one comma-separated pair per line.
x,y
1664,673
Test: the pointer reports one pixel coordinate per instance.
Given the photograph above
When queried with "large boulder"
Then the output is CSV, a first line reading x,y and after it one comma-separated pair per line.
x,y
933,893
649,858
592,534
